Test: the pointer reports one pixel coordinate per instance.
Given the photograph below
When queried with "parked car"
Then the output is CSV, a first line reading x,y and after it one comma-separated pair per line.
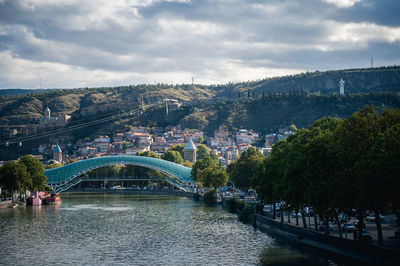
x,y
349,226
293,214
371,217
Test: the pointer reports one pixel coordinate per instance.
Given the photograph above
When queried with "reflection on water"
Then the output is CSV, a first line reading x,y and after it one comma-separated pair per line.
x,y
134,229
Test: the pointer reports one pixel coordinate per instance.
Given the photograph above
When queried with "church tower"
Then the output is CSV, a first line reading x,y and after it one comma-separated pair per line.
x,y
189,152
57,153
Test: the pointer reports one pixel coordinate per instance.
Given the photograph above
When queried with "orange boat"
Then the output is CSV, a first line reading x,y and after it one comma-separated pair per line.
x,y
54,198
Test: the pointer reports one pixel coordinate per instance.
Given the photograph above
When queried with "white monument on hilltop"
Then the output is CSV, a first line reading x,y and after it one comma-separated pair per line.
x,y
341,87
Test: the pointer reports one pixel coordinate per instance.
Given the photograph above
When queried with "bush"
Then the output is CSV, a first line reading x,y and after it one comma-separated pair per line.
x,y
196,196
246,215
239,205
231,204
210,197
259,207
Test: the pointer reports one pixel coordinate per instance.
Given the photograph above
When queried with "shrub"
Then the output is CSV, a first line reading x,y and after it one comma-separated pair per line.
x,y
210,197
196,196
231,204
239,205
246,215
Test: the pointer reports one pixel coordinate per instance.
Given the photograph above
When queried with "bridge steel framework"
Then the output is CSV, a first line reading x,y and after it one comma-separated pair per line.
x,y
66,176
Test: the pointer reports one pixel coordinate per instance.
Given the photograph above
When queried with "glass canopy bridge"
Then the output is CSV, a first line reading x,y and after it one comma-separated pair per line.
x,y
64,177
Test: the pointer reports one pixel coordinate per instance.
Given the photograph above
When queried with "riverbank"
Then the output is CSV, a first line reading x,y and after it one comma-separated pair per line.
x,y
10,204
355,250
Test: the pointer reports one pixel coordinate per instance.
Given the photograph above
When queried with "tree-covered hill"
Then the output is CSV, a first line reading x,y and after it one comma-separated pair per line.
x,y
269,113
356,81
27,108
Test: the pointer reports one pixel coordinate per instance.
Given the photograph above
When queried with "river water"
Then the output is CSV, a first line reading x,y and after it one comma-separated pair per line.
x,y
88,229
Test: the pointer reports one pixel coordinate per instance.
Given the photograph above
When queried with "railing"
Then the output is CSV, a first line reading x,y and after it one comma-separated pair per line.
x,y
77,180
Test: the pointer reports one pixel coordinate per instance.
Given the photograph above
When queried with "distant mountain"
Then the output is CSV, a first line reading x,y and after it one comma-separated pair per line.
x,y
15,92
382,79
21,107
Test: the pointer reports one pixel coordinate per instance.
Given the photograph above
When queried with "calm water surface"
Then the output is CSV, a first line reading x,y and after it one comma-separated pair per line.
x,y
99,229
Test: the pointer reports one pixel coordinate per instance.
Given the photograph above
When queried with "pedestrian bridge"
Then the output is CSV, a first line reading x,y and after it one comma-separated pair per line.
x,y
66,176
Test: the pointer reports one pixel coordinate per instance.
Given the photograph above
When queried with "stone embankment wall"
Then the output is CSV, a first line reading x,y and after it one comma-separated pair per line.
x,y
343,247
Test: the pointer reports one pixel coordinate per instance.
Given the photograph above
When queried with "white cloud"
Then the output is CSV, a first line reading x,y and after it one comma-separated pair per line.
x,y
102,42
358,35
343,3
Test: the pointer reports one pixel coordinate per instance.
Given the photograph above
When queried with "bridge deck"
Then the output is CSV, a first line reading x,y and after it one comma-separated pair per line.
x,y
62,176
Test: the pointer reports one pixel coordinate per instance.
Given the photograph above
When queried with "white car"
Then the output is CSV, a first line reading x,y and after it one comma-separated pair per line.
x,y
371,217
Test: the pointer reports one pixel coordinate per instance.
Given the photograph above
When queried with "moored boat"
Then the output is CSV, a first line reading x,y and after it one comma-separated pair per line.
x,y
54,198
34,199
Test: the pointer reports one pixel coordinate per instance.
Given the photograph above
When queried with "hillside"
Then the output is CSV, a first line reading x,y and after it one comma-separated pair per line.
x,y
27,108
261,105
357,81
268,114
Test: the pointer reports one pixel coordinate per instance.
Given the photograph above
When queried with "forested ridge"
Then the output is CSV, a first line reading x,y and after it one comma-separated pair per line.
x,y
264,105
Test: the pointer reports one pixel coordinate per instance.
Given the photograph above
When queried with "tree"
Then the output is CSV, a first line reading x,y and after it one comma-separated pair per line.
x,y
14,177
210,197
147,172
35,171
178,148
354,139
201,165
173,156
148,154
200,139
213,176
202,151
53,165
245,168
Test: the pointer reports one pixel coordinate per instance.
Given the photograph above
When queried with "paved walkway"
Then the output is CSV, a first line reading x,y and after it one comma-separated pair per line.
x,y
388,230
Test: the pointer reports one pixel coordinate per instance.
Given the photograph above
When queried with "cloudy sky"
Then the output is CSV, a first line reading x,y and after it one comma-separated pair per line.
x,y
90,43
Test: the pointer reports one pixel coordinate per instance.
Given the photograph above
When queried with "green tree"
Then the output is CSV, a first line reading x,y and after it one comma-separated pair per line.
x,y
201,165
213,176
148,154
14,177
126,144
247,167
53,165
202,151
200,139
35,170
147,172
210,197
173,156
178,148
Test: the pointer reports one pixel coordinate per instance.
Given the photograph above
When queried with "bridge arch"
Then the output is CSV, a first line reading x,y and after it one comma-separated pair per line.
x,y
64,177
